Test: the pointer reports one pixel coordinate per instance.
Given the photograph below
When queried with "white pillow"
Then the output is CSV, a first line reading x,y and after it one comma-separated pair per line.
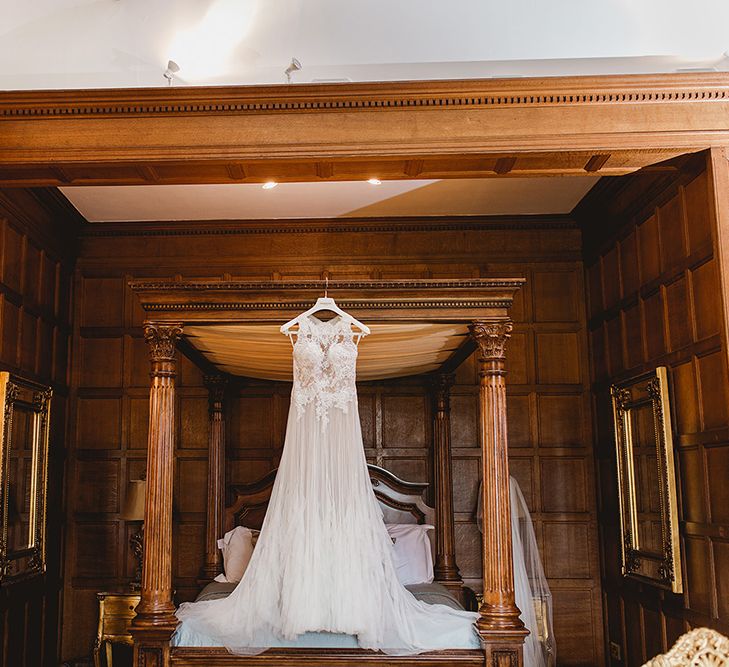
x,y
411,552
237,548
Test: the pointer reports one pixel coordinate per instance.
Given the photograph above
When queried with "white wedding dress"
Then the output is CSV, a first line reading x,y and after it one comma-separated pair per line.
x,y
323,562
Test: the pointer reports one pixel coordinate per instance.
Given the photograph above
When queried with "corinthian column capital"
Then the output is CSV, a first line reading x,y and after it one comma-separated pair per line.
x,y
161,339
216,385
441,386
491,337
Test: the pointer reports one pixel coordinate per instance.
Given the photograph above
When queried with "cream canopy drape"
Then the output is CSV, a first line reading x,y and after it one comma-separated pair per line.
x,y
391,350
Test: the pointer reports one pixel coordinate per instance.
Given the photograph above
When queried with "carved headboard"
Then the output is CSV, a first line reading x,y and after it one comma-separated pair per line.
x,y
401,501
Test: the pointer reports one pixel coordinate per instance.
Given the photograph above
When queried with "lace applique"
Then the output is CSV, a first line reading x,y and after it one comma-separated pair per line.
x,y
325,359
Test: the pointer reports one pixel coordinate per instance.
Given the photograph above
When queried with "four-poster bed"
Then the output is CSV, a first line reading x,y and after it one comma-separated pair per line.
x,y
401,502
430,326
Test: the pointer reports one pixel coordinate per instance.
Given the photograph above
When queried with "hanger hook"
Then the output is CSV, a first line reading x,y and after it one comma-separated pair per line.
x,y
326,286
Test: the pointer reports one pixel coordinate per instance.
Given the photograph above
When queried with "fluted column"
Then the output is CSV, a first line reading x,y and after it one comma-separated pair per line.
x,y
499,624
155,620
216,385
446,570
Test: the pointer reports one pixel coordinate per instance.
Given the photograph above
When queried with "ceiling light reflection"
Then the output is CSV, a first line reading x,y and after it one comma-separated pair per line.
x,y
207,47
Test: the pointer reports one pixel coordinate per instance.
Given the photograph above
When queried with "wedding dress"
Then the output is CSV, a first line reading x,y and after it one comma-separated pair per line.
x,y
531,590
323,562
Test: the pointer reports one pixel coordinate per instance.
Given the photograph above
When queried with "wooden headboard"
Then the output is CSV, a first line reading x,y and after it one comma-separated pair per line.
x,y
401,501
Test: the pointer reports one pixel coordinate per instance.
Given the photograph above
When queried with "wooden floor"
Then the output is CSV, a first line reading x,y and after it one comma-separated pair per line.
x,y
211,657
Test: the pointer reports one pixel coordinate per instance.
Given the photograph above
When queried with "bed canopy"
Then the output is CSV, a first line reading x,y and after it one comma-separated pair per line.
x,y
393,350
419,327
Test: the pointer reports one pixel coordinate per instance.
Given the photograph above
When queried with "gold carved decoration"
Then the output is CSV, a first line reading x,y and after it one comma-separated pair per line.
x,y
647,480
702,647
24,427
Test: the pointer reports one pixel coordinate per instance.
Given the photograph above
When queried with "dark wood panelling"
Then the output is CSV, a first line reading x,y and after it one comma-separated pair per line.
x,y
558,358
561,420
548,382
707,307
520,420
37,233
98,423
405,420
669,272
698,215
575,616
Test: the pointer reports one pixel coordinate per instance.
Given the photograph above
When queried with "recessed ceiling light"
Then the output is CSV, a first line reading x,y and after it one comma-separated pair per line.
x,y
374,181
269,185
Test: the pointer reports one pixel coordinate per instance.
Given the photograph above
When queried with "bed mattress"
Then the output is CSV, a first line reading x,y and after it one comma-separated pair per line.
x,y
431,593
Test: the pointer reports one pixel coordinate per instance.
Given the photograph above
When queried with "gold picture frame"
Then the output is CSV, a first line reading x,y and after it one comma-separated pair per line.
x,y
24,431
647,480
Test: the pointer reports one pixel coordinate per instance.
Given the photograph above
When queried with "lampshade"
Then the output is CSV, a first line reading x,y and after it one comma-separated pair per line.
x,y
134,503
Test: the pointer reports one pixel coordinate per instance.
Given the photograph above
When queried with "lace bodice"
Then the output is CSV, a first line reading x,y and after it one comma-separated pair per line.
x,y
325,358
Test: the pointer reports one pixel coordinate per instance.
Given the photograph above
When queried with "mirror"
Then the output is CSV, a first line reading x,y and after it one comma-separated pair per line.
x,y
647,480
24,422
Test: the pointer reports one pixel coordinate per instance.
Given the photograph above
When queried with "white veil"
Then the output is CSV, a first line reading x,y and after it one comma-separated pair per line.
x,y
530,585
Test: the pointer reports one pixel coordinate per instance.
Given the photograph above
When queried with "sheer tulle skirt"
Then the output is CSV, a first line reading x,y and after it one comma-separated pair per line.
x,y
323,561
531,590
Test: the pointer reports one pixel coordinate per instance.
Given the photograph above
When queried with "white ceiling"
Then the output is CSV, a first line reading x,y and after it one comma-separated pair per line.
x,y
123,43
487,196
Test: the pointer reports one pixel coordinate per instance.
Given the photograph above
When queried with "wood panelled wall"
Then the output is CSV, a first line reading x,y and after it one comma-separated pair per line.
x,y
654,299
36,266
549,404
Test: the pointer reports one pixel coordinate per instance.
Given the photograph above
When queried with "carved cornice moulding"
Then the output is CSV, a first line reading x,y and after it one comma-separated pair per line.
x,y
343,303
612,89
276,285
326,226
262,301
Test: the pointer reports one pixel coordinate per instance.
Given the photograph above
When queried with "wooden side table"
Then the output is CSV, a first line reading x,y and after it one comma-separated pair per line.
x,y
116,611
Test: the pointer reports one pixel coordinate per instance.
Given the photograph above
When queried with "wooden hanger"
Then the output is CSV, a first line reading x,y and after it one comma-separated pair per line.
x,y
325,303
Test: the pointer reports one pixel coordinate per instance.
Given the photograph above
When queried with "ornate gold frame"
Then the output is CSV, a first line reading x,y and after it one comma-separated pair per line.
x,y
664,568
15,392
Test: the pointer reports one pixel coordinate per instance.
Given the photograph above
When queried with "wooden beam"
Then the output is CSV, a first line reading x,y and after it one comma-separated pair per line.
x,y
183,656
61,175
504,165
549,126
597,162
198,358
236,171
148,173
413,168
415,300
324,170
460,354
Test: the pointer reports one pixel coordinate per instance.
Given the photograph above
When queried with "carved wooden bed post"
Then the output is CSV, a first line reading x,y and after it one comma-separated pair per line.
x,y
499,624
155,621
216,476
446,571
